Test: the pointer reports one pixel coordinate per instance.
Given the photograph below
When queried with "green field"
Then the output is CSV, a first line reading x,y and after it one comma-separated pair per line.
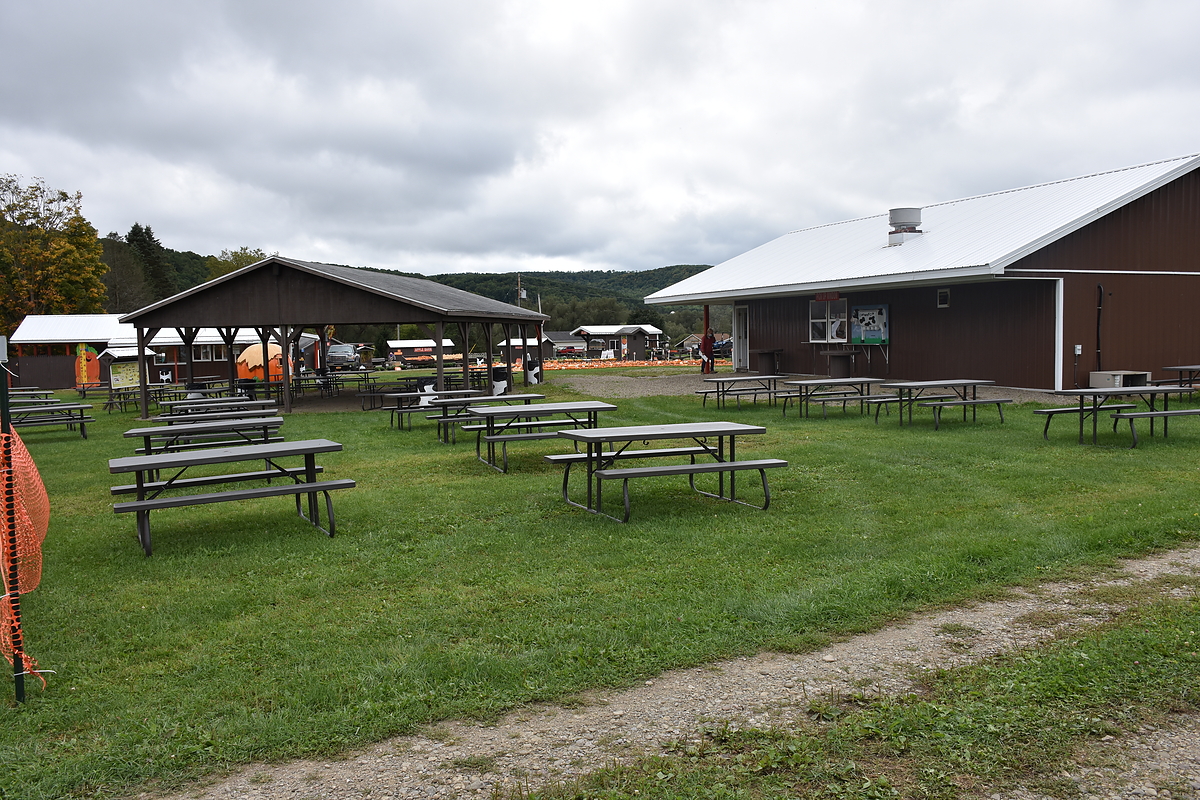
x,y
452,590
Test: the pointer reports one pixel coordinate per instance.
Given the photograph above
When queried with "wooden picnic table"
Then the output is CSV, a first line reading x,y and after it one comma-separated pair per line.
x,y
1187,373
208,416
502,424
809,390
605,446
743,384
453,409
153,494
57,413
216,404
1099,396
211,433
908,393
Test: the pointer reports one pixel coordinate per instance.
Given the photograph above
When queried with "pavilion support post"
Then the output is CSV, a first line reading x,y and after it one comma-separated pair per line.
x,y
286,332
439,330
464,333
144,337
228,336
188,336
509,330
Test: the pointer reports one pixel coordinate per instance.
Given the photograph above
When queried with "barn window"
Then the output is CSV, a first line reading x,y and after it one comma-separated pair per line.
x,y
943,298
827,321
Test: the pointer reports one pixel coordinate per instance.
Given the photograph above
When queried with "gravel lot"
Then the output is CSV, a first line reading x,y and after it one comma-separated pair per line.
x,y
541,743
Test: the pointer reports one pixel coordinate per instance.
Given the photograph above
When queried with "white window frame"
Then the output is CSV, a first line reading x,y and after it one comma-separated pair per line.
x,y
833,317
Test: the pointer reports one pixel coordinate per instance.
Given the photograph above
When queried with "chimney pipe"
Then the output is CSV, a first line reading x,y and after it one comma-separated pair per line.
x,y
906,224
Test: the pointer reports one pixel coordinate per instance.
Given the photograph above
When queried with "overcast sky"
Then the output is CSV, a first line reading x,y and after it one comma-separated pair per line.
x,y
449,136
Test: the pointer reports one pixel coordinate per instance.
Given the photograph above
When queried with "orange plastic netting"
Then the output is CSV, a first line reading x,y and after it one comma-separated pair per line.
x,y
26,511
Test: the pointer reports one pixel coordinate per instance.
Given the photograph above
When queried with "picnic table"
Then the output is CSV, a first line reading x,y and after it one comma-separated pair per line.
x,y
211,433
453,410
1187,373
155,494
56,413
503,424
406,403
604,446
741,385
1101,396
826,390
215,404
208,416
964,392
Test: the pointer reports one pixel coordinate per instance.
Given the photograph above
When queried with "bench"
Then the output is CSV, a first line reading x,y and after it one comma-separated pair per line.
x,y
1151,415
203,440
143,507
529,435
567,459
885,401
625,474
704,393
938,405
1050,412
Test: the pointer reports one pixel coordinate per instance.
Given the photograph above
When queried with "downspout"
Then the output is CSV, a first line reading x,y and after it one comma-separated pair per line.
x,y
1099,312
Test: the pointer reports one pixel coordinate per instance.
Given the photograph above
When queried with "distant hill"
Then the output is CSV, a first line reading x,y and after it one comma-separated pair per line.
x,y
627,286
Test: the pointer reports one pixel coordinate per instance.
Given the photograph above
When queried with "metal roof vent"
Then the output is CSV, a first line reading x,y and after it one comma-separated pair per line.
x,y
906,224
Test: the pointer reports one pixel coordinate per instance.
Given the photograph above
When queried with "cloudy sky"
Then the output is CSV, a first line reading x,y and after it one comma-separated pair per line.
x,y
449,136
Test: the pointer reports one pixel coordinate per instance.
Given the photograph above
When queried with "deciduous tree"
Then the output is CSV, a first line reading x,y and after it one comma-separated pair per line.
x,y
49,254
230,260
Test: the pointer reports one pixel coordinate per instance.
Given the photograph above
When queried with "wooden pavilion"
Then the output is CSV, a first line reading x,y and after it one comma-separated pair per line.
x,y
280,298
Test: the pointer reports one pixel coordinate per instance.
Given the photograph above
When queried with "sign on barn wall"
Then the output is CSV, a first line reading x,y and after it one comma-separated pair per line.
x,y
869,325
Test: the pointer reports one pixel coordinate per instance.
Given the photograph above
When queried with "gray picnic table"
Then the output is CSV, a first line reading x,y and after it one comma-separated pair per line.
x,y
153,494
504,424
212,433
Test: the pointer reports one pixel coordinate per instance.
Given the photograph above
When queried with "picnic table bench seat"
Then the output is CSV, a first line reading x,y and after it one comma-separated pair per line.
x,y
1050,413
938,405
70,422
529,432
144,507
1151,415
625,474
885,401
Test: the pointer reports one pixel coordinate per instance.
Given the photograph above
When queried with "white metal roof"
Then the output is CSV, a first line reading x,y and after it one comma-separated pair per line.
x,y
964,239
395,344
77,328
613,330
68,329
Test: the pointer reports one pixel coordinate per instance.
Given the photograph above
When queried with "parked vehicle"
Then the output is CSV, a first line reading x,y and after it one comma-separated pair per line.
x,y
343,356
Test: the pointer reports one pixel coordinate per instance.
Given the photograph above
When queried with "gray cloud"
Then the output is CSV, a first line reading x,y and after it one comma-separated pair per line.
x,y
523,135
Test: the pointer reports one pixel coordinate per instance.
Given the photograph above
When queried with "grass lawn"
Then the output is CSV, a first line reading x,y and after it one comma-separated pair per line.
x,y
453,590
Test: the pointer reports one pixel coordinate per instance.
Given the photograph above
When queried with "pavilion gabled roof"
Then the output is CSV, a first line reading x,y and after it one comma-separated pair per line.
x,y
328,289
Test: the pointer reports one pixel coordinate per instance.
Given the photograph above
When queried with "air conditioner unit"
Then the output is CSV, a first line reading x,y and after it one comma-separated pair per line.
x,y
1117,379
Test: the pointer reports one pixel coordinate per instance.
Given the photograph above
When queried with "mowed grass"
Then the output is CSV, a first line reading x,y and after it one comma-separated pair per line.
x,y
453,590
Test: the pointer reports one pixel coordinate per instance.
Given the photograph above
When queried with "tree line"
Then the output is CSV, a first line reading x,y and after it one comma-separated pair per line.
x,y
53,262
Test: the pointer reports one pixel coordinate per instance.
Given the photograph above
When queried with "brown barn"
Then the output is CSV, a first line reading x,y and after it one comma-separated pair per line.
x,y
1034,287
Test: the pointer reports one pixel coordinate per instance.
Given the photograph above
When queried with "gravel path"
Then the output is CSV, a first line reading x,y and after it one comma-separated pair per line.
x,y
541,743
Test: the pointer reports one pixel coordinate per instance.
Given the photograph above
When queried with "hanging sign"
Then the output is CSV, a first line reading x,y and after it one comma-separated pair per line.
x,y
869,325
826,296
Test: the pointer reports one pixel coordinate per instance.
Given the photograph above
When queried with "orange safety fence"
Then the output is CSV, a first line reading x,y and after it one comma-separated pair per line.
x,y
26,511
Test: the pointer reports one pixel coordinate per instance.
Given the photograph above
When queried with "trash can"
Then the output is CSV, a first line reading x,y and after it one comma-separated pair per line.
x,y
193,391
499,380
533,370
245,388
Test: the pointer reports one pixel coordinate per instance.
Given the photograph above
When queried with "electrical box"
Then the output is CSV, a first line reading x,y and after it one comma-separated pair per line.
x,y
1117,379
1078,349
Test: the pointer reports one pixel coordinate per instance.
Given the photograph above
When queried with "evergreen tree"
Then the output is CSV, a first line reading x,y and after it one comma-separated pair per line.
x,y
154,261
